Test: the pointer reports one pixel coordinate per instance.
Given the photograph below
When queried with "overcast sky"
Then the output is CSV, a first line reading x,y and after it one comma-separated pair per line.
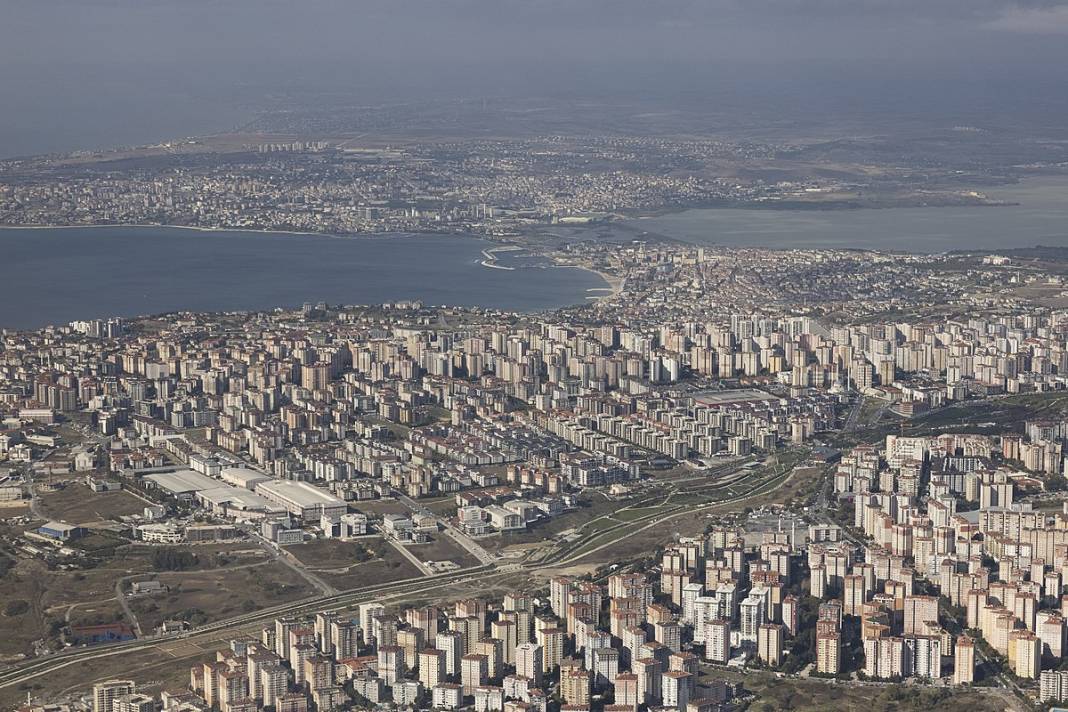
x,y
93,71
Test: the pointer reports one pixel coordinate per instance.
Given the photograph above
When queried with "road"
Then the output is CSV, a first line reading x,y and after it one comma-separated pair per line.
x,y
404,551
484,557
854,415
36,668
120,596
291,562
210,633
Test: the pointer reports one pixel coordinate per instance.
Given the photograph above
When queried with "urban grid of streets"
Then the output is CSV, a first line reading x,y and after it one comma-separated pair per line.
x,y
839,466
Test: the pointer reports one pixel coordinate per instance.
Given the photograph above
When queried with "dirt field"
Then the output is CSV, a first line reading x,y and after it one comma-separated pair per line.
x,y
596,505
339,563
88,595
373,507
77,504
336,554
167,665
442,548
816,695
205,596
51,595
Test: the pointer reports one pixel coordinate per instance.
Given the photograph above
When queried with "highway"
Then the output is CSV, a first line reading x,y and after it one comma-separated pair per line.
x,y
38,667
208,633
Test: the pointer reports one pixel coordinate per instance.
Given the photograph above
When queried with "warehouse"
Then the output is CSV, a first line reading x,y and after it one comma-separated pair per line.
x,y
235,502
61,531
183,484
243,477
304,500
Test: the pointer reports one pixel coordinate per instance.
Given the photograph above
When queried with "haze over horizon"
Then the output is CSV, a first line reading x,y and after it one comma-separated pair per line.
x,y
99,73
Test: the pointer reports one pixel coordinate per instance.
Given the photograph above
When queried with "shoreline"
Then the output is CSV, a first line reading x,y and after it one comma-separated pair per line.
x,y
615,284
257,231
490,253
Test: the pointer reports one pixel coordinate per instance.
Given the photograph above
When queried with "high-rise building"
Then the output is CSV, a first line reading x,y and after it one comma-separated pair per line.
x,y
828,654
491,648
648,671
855,594
233,687
529,662
605,667
626,690
964,661
718,641
770,644
751,612
451,644
559,595
431,667
473,669
410,640
575,686
133,703
790,610
505,631
425,619
551,641
274,683
391,663
344,639
1028,654
1053,686
925,656
104,693
918,611
675,689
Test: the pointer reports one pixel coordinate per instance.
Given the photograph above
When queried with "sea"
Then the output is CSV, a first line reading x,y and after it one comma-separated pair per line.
x,y
57,275
1039,217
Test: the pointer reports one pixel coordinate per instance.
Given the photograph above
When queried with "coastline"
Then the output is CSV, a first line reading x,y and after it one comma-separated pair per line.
x,y
196,228
255,231
490,253
615,284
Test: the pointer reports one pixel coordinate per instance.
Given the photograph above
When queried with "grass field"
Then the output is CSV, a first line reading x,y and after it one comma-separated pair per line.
x,y
343,564
77,504
51,595
320,554
372,507
392,568
88,595
205,596
442,548
774,694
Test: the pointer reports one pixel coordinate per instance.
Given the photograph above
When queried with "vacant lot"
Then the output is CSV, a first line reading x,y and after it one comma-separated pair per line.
x,y
442,548
51,596
322,554
378,507
77,504
351,564
204,596
441,506
593,506
393,568
774,693
88,595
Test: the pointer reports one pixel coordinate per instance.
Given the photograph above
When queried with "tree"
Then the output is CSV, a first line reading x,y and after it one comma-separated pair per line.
x,y
1056,483
17,607
169,559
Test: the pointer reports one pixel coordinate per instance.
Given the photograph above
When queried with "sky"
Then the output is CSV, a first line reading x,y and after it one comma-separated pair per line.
x,y
93,73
